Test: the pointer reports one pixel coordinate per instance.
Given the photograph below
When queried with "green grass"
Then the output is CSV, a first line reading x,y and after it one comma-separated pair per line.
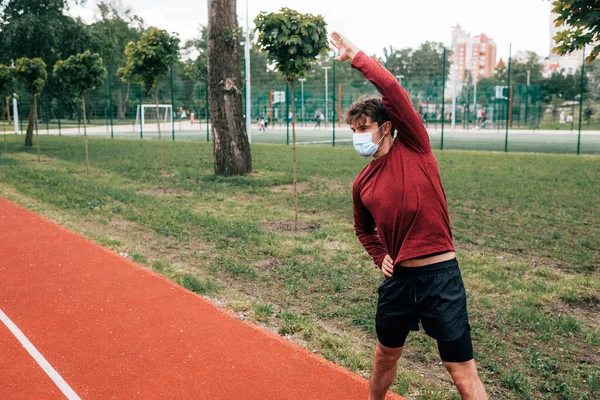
x,y
525,226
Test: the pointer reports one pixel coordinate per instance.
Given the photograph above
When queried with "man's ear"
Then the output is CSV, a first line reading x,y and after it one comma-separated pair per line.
x,y
387,129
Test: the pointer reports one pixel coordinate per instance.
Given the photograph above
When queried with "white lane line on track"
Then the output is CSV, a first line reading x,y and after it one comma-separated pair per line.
x,y
39,358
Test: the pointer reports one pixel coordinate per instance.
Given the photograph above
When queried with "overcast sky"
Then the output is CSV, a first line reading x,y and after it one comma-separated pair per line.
x,y
373,24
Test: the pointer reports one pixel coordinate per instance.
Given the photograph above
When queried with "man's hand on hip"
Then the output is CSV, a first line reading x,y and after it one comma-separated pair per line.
x,y
387,266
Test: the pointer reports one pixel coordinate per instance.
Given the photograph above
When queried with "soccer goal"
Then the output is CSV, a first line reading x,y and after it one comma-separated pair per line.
x,y
146,115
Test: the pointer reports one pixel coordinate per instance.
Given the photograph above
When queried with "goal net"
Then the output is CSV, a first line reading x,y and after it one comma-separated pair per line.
x,y
146,115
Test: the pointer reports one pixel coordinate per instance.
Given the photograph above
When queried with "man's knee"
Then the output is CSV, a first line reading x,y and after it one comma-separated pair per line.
x,y
464,375
387,354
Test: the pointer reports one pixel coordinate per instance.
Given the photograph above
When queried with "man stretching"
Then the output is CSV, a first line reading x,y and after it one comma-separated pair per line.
x,y
401,218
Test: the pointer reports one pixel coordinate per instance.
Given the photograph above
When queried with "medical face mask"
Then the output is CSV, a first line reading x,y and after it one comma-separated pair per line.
x,y
363,143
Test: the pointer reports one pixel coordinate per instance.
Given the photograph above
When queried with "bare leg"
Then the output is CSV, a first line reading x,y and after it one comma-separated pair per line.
x,y
385,367
467,380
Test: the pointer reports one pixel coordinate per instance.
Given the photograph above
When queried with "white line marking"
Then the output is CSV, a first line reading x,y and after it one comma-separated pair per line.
x,y
37,356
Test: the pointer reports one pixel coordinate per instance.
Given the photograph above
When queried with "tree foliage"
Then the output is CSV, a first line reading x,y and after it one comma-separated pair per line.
x,y
150,58
32,73
81,72
115,28
7,81
292,41
40,28
581,19
197,69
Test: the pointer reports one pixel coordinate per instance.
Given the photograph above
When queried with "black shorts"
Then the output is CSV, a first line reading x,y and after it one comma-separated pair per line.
x,y
433,294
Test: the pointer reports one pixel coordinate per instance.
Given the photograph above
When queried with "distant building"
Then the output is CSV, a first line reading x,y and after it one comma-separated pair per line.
x,y
474,54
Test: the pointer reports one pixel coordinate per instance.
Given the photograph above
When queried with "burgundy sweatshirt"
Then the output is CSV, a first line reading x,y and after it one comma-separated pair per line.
x,y
399,203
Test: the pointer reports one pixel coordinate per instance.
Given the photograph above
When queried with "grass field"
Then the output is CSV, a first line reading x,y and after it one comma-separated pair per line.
x,y
525,226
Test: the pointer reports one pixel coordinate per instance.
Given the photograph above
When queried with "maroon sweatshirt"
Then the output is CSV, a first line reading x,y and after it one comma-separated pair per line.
x,y
399,203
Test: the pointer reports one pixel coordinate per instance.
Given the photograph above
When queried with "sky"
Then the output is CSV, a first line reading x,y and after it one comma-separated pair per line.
x,y
375,24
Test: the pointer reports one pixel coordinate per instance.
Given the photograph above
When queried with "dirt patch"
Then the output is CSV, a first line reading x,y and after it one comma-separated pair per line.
x,y
267,264
168,192
585,310
300,186
290,227
90,174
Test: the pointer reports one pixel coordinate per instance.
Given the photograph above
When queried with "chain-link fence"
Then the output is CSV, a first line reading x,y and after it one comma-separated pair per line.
x,y
501,116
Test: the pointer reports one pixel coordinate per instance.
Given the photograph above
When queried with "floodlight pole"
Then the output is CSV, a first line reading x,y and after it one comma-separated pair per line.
x,y
326,87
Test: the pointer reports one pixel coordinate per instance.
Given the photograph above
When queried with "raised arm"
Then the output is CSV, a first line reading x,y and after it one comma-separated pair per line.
x,y
395,100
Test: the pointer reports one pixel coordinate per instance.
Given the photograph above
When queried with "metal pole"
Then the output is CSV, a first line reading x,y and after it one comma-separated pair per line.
x,y
475,101
509,94
112,135
141,114
105,107
334,103
47,118
302,80
581,101
527,97
287,111
15,114
454,95
172,107
248,89
59,130
326,90
443,97
207,114
179,105
133,108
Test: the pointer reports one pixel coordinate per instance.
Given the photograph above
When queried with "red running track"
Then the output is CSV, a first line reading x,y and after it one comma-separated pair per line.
x,y
115,330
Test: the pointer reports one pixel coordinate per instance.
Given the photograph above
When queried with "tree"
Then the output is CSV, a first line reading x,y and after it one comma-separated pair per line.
x,y
148,60
78,74
581,19
230,139
41,29
426,66
32,73
115,28
7,88
197,69
292,41
593,87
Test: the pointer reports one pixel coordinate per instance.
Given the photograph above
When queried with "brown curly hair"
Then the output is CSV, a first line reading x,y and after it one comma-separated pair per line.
x,y
368,106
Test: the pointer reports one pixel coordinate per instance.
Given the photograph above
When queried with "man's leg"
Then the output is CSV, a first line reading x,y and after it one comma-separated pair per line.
x,y
457,356
385,367
467,380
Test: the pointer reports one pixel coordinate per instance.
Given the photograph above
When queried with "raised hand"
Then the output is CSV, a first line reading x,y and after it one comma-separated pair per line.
x,y
345,48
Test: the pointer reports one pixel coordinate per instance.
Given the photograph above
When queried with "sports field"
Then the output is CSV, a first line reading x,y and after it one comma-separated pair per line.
x,y
560,141
525,226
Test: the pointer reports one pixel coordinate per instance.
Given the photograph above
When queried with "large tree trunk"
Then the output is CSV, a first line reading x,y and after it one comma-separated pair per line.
x,y
29,135
87,160
230,139
160,145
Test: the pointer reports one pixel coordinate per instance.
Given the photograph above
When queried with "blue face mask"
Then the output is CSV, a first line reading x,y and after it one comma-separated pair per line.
x,y
363,143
